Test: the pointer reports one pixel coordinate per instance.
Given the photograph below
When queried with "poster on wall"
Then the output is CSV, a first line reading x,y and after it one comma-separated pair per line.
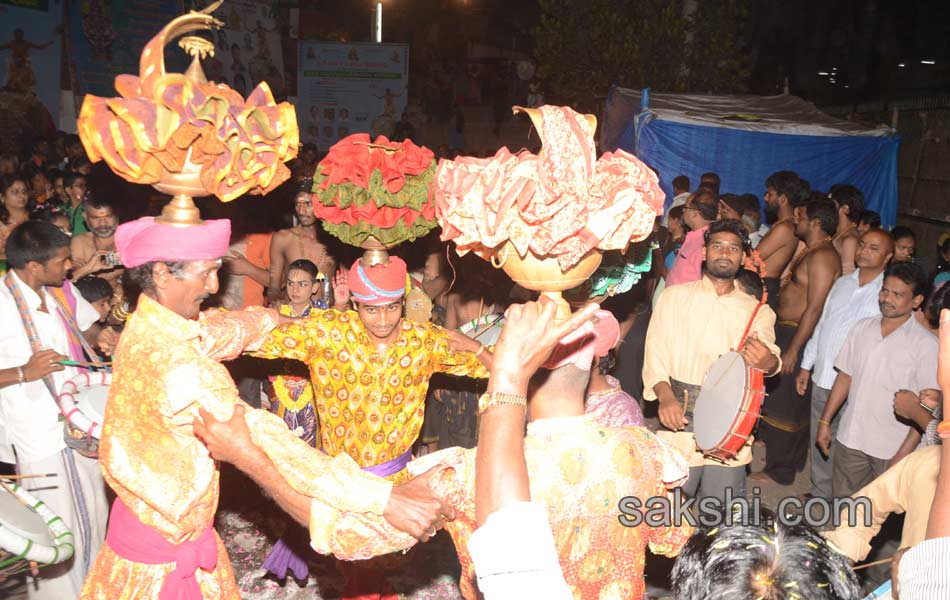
x,y
106,39
30,50
248,50
350,88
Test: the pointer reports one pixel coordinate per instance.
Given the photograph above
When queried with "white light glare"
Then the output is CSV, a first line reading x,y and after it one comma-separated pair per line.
x,y
823,73
928,62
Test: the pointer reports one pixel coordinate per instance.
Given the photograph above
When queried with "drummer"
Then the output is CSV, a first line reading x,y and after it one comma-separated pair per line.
x,y
36,301
692,325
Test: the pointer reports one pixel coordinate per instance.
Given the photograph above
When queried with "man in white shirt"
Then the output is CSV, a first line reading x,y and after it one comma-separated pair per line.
x,y
31,434
881,356
852,298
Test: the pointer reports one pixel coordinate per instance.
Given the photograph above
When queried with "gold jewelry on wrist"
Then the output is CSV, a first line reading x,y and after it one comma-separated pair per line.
x,y
490,399
824,422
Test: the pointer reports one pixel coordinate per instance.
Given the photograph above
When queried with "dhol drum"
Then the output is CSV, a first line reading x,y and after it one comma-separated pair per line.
x,y
31,535
728,407
82,400
486,329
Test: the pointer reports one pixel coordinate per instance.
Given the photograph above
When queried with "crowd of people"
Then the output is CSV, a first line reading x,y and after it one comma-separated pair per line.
x,y
378,403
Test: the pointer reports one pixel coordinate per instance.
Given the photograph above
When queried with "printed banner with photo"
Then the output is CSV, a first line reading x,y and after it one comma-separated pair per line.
x,y
107,38
350,88
248,50
30,50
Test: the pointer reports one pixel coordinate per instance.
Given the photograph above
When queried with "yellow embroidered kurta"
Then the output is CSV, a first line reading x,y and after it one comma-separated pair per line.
x,y
165,369
579,471
370,403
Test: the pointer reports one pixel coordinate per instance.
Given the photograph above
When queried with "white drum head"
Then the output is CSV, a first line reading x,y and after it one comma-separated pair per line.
x,y
16,517
719,400
485,329
92,401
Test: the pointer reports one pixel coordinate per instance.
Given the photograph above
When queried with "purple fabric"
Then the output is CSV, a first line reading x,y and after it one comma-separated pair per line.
x,y
614,407
390,467
282,557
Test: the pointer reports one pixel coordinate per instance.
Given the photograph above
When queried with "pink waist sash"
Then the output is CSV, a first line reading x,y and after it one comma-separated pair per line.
x,y
135,541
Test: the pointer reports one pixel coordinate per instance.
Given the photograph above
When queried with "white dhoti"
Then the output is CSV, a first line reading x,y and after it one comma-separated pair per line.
x,y
62,495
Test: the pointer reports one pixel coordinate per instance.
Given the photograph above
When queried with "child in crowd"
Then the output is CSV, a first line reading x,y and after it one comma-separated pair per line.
x,y
98,292
291,393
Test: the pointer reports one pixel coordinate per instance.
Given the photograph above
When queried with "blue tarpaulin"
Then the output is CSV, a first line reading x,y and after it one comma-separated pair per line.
x,y
745,139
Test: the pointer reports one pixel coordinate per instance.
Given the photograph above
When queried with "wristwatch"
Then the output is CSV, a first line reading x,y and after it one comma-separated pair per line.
x,y
490,399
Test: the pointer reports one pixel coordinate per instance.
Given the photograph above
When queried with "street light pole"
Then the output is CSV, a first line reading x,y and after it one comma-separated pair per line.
x,y
378,27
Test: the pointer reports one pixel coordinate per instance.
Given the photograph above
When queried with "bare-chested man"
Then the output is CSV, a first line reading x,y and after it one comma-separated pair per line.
x,y
301,241
784,426
850,203
93,252
784,191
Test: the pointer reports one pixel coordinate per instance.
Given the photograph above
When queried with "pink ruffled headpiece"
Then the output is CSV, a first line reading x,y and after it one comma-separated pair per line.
x,y
145,240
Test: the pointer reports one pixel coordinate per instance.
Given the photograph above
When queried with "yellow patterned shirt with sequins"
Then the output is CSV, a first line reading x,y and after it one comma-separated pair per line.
x,y
370,403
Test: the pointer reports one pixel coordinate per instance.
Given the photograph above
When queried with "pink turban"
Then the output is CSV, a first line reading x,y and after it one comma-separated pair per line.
x,y
593,339
144,240
379,284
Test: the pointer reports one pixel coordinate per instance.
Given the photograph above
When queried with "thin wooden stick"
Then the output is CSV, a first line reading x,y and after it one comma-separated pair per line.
x,y
83,363
33,476
873,564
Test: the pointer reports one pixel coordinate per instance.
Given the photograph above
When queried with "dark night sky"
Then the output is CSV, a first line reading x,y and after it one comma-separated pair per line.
x,y
858,43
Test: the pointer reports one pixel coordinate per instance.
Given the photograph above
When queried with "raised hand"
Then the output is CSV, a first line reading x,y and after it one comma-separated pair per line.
x,y
341,291
530,335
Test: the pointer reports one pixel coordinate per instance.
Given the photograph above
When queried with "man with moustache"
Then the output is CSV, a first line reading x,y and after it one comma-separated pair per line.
x,y
161,542
852,298
881,356
785,190
692,325
93,252
784,425
302,241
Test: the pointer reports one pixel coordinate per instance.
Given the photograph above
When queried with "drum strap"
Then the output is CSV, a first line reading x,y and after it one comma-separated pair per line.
x,y
748,325
36,345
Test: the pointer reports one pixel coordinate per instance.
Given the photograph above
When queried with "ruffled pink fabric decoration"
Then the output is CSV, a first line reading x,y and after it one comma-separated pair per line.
x,y
562,202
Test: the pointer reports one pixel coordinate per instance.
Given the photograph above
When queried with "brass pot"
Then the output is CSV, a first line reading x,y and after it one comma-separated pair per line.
x,y
544,274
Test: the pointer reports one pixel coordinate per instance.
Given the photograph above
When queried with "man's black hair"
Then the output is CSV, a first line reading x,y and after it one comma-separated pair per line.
x,y
849,196
790,185
912,274
732,226
768,561
34,241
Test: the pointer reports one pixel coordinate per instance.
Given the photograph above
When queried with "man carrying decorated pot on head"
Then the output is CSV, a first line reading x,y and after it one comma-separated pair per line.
x,y
370,368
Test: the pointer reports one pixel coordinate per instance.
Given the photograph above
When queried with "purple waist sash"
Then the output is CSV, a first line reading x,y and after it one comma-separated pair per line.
x,y
390,467
283,557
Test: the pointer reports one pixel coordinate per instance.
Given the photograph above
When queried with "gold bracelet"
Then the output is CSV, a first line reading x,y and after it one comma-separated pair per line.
x,y
824,422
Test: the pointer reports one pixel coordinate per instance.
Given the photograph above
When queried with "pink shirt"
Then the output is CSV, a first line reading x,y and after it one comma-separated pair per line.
x,y
688,265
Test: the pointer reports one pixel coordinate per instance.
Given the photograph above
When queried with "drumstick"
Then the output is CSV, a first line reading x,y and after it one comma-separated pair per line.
x,y
33,476
82,363
873,564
